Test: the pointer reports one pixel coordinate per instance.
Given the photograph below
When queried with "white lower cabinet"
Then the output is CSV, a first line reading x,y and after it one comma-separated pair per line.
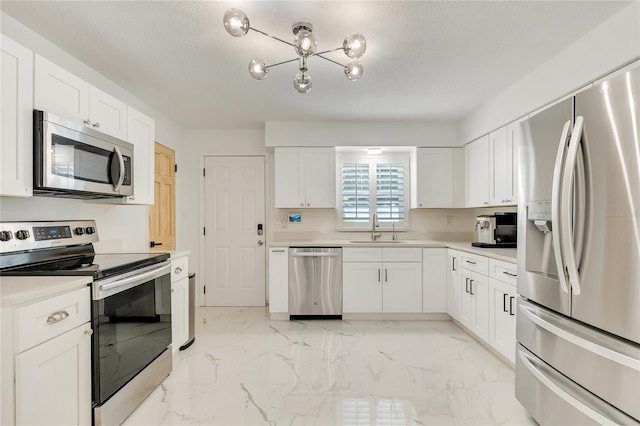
x,y
179,302
379,280
502,308
434,280
278,280
473,310
453,287
46,361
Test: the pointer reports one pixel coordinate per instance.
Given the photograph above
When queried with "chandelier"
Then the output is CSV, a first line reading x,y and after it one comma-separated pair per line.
x,y
305,45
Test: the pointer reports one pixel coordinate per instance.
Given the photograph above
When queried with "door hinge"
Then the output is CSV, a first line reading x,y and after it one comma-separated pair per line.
x,y
175,168
204,172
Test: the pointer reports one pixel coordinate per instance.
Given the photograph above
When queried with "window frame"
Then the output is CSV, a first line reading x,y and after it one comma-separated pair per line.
x,y
402,158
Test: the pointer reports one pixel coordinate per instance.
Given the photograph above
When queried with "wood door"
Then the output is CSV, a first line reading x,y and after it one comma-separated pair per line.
x,y
235,254
162,214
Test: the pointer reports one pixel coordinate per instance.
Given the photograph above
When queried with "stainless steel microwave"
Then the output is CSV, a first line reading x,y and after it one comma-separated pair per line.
x,y
71,160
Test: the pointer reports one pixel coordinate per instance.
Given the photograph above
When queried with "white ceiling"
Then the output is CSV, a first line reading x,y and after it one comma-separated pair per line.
x,y
425,60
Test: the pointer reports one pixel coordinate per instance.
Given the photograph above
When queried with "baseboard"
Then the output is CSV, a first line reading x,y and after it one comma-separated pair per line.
x,y
396,316
485,344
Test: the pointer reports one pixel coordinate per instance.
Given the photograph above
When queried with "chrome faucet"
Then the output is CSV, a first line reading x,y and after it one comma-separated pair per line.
x,y
375,235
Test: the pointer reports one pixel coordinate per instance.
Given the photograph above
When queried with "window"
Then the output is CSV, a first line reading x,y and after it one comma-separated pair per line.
x,y
371,186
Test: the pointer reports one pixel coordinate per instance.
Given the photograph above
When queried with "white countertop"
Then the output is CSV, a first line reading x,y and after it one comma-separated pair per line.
x,y
20,290
505,254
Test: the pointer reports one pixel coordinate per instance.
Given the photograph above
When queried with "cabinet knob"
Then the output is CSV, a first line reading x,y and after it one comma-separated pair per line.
x,y
301,204
486,203
87,122
88,332
177,270
57,316
308,204
96,125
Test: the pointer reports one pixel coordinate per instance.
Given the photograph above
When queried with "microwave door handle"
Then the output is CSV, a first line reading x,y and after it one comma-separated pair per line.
x,y
567,210
120,179
556,200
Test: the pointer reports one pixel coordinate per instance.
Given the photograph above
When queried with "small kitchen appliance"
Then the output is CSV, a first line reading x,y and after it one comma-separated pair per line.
x,y
499,230
130,306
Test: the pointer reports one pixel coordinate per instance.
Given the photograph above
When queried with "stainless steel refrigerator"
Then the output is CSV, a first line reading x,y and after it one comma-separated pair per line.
x,y
578,318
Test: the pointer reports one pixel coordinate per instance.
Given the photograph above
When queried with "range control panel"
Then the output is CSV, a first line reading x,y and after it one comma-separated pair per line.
x,y
19,236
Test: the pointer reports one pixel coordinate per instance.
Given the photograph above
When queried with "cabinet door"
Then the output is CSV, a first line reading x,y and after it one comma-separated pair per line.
x,y
434,182
320,187
503,159
107,114
53,380
179,313
402,287
434,280
453,288
477,165
16,112
479,291
502,324
279,280
141,133
290,177
361,287
465,306
59,92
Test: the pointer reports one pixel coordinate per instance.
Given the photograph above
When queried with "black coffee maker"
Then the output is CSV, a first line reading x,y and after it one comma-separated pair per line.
x,y
505,233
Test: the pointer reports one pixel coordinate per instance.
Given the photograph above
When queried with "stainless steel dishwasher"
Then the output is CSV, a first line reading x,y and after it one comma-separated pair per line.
x,y
315,282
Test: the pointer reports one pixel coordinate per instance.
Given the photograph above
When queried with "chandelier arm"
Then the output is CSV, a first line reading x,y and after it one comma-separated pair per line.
x,y
328,51
280,63
273,37
330,60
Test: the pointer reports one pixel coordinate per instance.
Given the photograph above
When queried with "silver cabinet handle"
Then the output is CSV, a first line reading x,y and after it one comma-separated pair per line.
x,y
504,302
57,316
96,125
260,242
486,203
466,285
511,305
378,274
278,251
87,122
385,275
177,270
453,263
468,261
509,273
471,287
88,332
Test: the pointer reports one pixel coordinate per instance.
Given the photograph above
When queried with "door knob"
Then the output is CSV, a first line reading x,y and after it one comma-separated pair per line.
x,y
260,243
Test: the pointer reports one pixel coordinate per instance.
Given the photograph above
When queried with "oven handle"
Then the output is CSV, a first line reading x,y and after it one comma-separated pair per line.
x,y
129,281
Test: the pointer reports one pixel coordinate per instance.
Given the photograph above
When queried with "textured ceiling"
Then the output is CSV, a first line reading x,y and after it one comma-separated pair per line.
x,y
425,60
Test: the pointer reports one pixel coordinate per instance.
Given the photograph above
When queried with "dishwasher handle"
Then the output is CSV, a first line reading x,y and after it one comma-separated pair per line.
x,y
314,254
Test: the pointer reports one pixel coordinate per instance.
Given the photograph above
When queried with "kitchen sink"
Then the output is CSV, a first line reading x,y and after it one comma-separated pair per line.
x,y
377,242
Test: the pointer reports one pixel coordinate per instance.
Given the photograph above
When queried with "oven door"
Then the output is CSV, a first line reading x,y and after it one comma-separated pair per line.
x,y
131,315
70,157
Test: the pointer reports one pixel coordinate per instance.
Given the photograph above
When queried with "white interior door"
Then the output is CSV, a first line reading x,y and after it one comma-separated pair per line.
x,y
234,203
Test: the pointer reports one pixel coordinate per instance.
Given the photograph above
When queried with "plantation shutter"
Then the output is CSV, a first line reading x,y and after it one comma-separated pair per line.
x,y
355,192
390,192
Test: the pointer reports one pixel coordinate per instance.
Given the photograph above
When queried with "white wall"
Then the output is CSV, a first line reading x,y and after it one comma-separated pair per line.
x,y
323,133
609,46
119,227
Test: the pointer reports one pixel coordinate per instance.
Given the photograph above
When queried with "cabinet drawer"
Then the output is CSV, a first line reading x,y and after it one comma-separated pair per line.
x,y
402,254
503,271
364,254
179,268
473,262
41,321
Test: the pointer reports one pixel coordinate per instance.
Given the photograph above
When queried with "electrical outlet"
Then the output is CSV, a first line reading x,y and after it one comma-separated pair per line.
x,y
449,220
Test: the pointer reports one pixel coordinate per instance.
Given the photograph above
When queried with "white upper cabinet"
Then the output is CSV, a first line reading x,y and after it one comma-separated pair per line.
x,y
433,183
305,178
16,112
504,165
60,92
141,133
107,114
477,177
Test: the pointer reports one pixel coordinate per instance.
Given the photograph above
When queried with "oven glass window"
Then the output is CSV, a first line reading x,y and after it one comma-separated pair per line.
x,y
79,161
133,327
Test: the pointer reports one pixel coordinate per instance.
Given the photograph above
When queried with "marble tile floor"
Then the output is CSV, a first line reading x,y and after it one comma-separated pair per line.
x,y
245,369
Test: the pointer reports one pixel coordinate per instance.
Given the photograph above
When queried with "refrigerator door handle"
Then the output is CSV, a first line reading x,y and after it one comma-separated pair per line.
x,y
528,362
556,200
566,211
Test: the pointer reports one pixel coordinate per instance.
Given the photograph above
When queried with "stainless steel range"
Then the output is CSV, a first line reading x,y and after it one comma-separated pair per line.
x,y
130,310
